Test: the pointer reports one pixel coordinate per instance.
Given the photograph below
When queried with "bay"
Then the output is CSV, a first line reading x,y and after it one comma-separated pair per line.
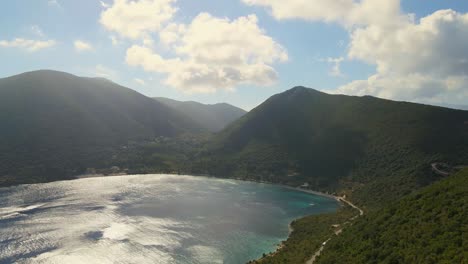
x,y
149,219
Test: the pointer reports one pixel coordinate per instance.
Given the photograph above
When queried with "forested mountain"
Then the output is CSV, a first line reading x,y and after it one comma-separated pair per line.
x,y
213,118
430,226
54,124
374,150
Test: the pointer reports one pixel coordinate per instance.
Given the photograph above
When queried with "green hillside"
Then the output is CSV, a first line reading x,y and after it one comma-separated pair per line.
x,y
55,124
372,149
430,226
213,118
307,237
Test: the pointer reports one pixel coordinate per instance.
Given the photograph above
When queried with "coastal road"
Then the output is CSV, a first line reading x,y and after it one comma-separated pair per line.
x,y
338,232
343,200
317,253
435,168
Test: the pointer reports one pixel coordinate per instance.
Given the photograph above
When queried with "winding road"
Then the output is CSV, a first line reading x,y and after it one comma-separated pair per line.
x,y
435,168
337,232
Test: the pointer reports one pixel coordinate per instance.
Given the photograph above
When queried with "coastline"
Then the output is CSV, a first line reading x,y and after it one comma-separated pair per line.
x,y
338,198
97,175
279,246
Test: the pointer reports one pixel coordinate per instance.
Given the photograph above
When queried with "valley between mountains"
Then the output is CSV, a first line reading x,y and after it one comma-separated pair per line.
x,y
377,153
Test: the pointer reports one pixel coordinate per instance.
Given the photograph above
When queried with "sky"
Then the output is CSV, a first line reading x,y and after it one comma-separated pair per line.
x,y
244,51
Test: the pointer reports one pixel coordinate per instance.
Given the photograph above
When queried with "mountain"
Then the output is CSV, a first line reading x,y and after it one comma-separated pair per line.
x,y
213,118
430,226
54,123
371,149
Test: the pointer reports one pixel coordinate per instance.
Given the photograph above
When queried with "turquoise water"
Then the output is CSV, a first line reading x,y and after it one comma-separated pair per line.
x,y
148,219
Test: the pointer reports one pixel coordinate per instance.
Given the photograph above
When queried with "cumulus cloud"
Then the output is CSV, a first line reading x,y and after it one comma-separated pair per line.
x,y
28,44
137,19
171,33
213,53
81,46
435,45
336,69
53,3
105,72
140,81
425,60
115,41
36,30
417,60
346,12
104,4
204,55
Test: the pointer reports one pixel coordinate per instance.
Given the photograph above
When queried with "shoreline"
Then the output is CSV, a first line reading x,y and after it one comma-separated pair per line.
x,y
337,198
340,200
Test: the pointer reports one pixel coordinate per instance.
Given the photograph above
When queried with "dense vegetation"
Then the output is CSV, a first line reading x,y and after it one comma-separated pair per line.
x,y
54,125
372,149
212,118
430,226
307,236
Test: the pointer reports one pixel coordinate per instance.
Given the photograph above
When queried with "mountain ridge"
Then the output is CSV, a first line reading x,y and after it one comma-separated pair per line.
x,y
340,143
212,117
61,122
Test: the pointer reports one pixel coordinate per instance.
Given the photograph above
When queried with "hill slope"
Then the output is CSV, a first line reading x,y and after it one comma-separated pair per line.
x,y
213,118
373,149
54,123
430,226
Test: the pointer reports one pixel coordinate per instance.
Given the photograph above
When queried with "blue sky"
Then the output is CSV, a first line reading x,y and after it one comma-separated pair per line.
x,y
311,42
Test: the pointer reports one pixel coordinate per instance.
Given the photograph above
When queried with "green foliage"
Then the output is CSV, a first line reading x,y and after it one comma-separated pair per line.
x,y
307,236
161,155
212,118
54,125
374,150
430,226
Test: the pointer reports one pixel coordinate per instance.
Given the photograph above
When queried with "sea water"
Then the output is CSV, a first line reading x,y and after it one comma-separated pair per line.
x,y
148,219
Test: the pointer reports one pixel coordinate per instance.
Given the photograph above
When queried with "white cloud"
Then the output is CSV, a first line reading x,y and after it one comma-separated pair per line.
x,y
424,61
28,44
436,45
81,46
115,40
36,30
140,81
55,3
104,4
213,53
205,55
137,19
346,12
411,87
336,69
171,33
417,60
105,72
